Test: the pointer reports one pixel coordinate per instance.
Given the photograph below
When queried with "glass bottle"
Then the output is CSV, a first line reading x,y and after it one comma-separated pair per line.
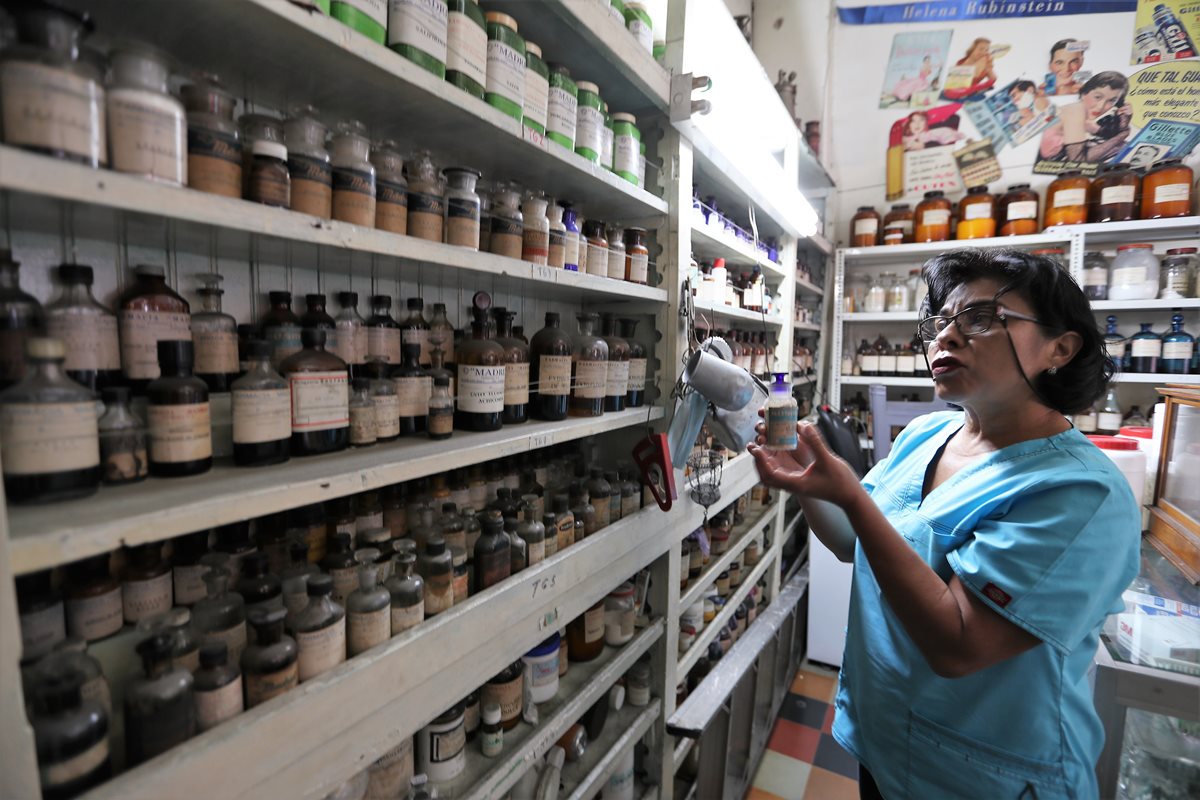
x,y
413,387
596,244
931,220
391,188
532,532
187,572
1095,276
599,492
1176,273
436,568
213,139
1017,214
536,242
53,97
1114,342
619,367
1146,349
383,332
441,334
564,523
582,509
362,414
426,204
415,329
317,317
214,335
281,327
178,415
1112,196
368,608
353,175
1085,421
351,343
484,189
1111,416
550,370
48,431
864,227
384,400
221,615
216,687
262,411
585,634
270,664
898,224
145,583
339,563
308,163
589,369
160,710
516,369
480,380
70,733
270,183
573,242
441,409
1178,347
462,207
295,574
637,256
1167,190
508,223
93,599
87,329
556,235
149,311
976,215
492,557
259,587
1066,199
147,131
407,591
42,619
887,356
635,397
255,128
320,400
616,253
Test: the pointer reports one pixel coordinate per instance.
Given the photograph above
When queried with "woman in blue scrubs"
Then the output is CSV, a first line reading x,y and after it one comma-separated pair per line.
x,y
988,548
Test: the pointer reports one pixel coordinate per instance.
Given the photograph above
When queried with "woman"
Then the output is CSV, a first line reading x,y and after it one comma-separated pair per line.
x,y
1094,129
917,134
988,548
979,56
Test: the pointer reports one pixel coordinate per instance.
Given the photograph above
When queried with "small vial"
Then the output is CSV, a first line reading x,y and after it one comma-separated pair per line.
x,y
491,741
782,412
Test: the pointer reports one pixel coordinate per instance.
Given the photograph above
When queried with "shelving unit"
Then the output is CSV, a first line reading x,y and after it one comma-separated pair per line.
x,y
741,315
708,244
585,778
697,587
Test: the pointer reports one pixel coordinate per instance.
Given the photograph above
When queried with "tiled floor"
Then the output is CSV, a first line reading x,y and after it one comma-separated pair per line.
x,y
802,761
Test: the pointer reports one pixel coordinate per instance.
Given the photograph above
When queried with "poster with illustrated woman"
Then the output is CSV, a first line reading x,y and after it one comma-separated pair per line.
x,y
921,153
1088,132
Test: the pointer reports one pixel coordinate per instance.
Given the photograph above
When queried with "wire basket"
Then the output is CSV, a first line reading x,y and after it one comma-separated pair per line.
x,y
704,477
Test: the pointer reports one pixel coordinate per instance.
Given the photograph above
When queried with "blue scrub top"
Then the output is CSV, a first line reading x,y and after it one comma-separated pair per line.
x,y
1045,532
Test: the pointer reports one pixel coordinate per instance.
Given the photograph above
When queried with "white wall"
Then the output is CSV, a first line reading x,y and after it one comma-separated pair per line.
x,y
794,35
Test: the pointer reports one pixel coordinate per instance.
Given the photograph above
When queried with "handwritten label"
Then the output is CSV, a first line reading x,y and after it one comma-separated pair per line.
x,y
544,273
543,585
534,138
539,441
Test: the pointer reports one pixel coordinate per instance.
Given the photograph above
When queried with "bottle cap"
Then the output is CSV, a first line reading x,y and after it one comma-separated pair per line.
x,y
73,273
491,714
150,270
415,304
175,355
314,299
280,298
552,319
347,299
435,546
213,653
382,300
312,337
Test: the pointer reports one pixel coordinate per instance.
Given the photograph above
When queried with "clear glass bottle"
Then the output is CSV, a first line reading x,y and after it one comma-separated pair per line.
x,y
635,397
320,400
295,574
426,201
556,236
1114,342
1176,274
281,327
160,710
616,253
535,246
53,97
363,431
214,335
391,188
48,431
436,568
414,388
177,623
353,175
315,316
308,163
368,608
87,329
441,409
532,532
407,591
383,332
583,510
516,369
178,415
350,339
270,666
1111,417
385,400
416,330
1178,348
480,380
508,223
462,207
339,563
148,312
550,370
221,615
147,128
589,369
262,411
217,687
213,139
617,377
1095,276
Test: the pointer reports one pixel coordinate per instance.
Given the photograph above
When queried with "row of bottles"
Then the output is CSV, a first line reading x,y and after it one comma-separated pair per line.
x,y
752,351
1173,352
715,284
882,359
241,614
1108,417
706,215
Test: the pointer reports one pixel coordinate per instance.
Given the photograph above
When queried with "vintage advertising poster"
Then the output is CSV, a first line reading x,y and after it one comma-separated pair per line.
x,y
1065,74
914,70
891,12
1158,140
1165,30
1090,131
1168,91
975,72
1012,115
920,155
977,164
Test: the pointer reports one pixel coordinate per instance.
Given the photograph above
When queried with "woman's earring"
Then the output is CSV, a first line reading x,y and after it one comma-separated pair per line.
x,y
1053,370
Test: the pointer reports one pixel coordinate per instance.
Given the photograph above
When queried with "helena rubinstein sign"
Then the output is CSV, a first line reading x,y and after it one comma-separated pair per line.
x,y
948,10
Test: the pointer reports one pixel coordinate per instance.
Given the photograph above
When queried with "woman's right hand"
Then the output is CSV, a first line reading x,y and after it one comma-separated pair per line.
x,y
811,469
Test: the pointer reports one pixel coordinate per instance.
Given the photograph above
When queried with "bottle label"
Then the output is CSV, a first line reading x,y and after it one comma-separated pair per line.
x,y
1109,421
312,185
1022,209
90,340
354,196
629,505
216,352
491,743
906,365
590,378
480,388
516,384
637,374
543,671
886,364
1177,350
866,227
345,581
391,206
1117,194
383,343
603,512
362,424
593,624
218,705
597,260
554,375
438,598
1095,276
535,246
869,363
466,47
1146,348
319,401
626,154
571,251
781,426
419,337
1086,423
556,253
41,630
1115,348
142,599
95,617
74,768
148,134
52,108
1126,276
1173,193
367,629
286,341
566,532
405,618
589,130
214,162
366,522
180,433
639,267
348,337
1065,198
234,638
387,415
537,98
535,552
140,334
425,212
562,111
261,415
420,24
978,211
616,263
509,696
935,216
461,586
448,747
261,687
44,438
506,72
389,776
617,379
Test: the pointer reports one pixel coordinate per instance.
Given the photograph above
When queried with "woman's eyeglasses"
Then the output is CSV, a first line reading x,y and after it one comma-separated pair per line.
x,y
972,321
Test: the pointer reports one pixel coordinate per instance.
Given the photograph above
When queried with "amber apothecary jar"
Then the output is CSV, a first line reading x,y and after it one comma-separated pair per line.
x,y
1066,199
932,219
898,224
976,214
1113,194
1167,190
864,228
1017,211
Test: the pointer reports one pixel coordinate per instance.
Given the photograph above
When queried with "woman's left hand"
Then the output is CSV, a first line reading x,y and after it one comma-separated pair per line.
x,y
811,469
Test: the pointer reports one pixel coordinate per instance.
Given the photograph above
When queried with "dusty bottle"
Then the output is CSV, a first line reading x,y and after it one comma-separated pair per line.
x,y
363,432
145,582
508,223
582,509
259,587
636,395
384,400
270,665
413,388
213,139
415,329
295,574
281,327
436,568
589,369
492,557
407,591
221,615
320,401
179,417
564,523
148,312
87,329
536,238
160,710
516,369
368,608
383,332
599,492
319,629
391,189
426,203
616,385
350,338
187,573
262,411
480,380
550,370
462,207
353,175
308,163
315,316
340,564
440,420
71,736
216,687
533,533
214,335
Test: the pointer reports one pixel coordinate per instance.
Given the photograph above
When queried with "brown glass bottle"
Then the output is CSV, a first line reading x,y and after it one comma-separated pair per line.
x,y
931,221
316,316
864,227
413,387
589,369
976,215
281,327
415,330
636,396
262,404
585,634
21,317
616,384
516,369
1113,194
1017,213
146,587
898,224
492,556
1167,190
178,415
1066,199
149,311
383,332
480,382
550,370
320,398
93,599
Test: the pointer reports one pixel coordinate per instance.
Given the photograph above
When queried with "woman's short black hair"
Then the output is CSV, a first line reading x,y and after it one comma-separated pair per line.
x,y
1055,298
1109,79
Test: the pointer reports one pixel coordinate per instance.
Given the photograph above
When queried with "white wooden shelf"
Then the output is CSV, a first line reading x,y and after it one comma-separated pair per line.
x,y
1145,305
713,629
801,380
728,313
918,252
707,243
585,778
1140,230
806,326
926,383
1158,380
738,476
351,715
880,316
805,287
706,579
157,509
258,44
582,686
867,380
